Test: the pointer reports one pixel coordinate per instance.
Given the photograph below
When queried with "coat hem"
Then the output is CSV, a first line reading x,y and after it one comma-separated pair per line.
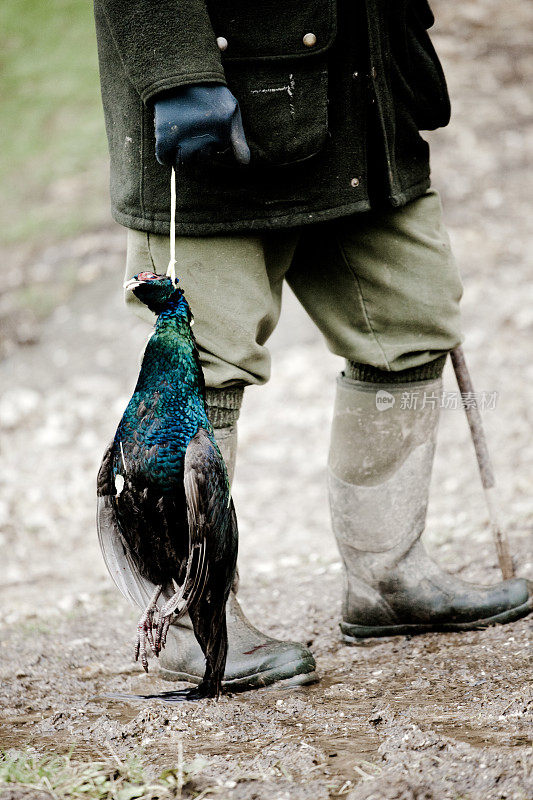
x,y
410,193
160,224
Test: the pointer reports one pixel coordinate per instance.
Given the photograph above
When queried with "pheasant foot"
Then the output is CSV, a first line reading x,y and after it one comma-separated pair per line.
x,y
175,605
144,631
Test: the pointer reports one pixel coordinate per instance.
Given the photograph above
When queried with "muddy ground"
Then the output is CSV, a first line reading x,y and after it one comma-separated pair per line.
x,y
437,716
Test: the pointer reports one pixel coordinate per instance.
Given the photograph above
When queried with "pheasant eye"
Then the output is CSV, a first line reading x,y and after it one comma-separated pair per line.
x,y
146,276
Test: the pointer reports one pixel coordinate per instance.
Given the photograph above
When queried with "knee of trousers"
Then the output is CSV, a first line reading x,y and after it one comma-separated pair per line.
x,y
234,308
392,298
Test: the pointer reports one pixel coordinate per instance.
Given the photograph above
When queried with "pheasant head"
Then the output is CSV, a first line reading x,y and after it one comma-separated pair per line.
x,y
158,292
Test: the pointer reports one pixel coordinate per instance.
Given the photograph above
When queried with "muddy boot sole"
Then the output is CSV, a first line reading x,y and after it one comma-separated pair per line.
x,y
351,634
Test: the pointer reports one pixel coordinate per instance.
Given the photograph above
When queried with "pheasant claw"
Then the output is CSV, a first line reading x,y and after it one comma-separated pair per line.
x,y
145,632
162,630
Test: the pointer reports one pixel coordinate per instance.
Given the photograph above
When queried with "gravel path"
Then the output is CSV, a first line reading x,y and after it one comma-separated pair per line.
x,y
439,716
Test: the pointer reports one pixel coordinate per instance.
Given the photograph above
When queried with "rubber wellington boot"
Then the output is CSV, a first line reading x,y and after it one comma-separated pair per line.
x,y
381,455
254,659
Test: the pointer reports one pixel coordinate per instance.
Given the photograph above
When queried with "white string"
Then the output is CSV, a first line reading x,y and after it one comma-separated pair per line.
x,y
171,271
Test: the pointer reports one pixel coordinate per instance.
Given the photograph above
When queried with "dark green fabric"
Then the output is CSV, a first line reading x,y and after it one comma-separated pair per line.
x,y
370,374
156,45
308,112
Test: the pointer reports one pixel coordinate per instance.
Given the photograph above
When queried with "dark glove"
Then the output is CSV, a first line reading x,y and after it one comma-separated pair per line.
x,y
196,123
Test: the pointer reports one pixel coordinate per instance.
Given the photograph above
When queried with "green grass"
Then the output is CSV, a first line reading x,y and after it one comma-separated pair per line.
x,y
100,780
53,170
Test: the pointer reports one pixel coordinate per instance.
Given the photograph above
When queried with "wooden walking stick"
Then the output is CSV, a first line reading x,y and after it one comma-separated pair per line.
x,y
484,462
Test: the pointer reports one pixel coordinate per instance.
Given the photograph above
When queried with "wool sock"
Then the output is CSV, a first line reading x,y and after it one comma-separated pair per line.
x,y
224,406
370,374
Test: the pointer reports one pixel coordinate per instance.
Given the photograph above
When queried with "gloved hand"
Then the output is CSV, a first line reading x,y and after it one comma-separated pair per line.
x,y
198,122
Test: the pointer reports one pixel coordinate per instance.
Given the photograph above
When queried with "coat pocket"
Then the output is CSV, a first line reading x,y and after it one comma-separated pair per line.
x,y
275,58
284,110
417,72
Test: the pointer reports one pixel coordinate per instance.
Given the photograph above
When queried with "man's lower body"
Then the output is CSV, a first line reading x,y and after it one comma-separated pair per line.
x,y
384,290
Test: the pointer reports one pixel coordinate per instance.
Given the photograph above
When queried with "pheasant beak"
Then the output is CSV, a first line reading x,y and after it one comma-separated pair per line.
x,y
131,284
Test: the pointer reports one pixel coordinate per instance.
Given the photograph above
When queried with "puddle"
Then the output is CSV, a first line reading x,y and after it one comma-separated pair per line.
x,y
476,738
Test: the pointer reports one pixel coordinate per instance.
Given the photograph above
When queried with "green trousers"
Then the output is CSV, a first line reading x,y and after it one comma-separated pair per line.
x,y
382,287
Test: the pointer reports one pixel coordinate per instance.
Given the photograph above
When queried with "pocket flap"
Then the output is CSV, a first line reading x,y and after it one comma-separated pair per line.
x,y
273,29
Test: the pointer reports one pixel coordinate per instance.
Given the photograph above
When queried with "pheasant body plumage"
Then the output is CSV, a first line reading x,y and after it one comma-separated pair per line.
x,y
166,487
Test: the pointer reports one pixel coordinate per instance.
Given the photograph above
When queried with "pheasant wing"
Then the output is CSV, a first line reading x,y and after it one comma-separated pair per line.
x,y
116,555
207,493
212,528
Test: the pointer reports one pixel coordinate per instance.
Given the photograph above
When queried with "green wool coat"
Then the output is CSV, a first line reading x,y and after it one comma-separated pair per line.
x,y
333,94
